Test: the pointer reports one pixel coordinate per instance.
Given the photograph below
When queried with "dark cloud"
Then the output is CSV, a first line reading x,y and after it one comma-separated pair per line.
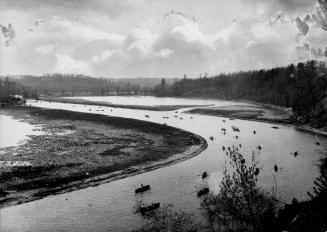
x,y
286,6
302,26
8,34
111,8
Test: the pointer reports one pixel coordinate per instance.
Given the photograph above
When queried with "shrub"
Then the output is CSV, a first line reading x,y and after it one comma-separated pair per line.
x,y
240,205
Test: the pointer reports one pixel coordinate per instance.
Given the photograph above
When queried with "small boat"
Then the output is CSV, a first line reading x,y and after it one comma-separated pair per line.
x,y
259,147
275,127
236,129
153,206
147,116
142,189
318,143
295,154
211,138
204,175
254,132
203,191
276,168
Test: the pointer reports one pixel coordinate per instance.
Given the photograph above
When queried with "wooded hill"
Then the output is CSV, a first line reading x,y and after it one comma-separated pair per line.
x,y
302,87
76,85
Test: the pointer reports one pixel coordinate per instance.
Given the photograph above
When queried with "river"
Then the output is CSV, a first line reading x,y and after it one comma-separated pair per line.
x,y
110,207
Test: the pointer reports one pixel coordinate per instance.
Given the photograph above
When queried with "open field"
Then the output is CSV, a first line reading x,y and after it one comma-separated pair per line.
x,y
79,150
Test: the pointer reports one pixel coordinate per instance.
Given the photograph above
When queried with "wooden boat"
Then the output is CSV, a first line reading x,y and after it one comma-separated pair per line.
x,y
153,206
203,191
236,129
204,175
142,189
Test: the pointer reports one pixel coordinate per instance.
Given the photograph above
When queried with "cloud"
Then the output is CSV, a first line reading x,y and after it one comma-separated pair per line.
x,y
105,55
141,40
67,64
286,6
164,53
161,38
47,49
111,8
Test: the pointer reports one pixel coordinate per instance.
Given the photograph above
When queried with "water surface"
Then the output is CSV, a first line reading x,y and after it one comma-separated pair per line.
x,y
155,101
14,132
109,207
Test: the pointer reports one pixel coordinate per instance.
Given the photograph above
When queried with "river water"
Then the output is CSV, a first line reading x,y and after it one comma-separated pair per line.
x,y
110,207
13,131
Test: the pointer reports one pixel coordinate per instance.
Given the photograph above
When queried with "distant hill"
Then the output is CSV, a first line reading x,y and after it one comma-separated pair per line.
x,y
72,85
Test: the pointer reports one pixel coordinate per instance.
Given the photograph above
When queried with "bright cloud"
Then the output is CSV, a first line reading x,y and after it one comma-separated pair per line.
x,y
158,38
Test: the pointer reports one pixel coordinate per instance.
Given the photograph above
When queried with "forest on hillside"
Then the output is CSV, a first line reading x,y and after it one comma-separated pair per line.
x,y
76,85
300,87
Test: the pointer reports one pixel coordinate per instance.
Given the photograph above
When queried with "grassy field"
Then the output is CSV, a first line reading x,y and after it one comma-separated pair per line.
x,y
80,149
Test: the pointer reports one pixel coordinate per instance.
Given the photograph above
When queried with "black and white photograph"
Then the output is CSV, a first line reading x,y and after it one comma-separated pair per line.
x,y
163,115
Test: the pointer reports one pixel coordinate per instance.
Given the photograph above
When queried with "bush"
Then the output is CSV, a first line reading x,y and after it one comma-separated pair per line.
x,y
167,219
240,205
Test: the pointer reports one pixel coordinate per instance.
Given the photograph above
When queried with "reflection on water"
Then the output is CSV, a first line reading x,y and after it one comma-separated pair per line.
x,y
13,132
155,101
109,207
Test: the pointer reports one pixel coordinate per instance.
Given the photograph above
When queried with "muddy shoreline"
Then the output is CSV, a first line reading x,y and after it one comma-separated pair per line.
x,y
181,145
253,116
260,113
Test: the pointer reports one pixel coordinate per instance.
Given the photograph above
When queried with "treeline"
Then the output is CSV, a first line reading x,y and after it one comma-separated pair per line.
x,y
76,85
11,92
300,87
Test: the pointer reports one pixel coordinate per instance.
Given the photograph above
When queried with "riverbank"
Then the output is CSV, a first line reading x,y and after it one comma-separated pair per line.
x,y
79,150
260,113
100,103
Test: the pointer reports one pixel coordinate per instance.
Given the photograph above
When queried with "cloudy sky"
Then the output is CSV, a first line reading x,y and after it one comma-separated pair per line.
x,y
155,38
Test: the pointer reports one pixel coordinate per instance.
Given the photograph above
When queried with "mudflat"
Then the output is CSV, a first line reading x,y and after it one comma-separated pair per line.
x,y
249,112
79,150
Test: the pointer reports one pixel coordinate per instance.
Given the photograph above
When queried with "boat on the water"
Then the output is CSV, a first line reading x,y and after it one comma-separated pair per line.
x,y
204,175
203,191
148,208
142,189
